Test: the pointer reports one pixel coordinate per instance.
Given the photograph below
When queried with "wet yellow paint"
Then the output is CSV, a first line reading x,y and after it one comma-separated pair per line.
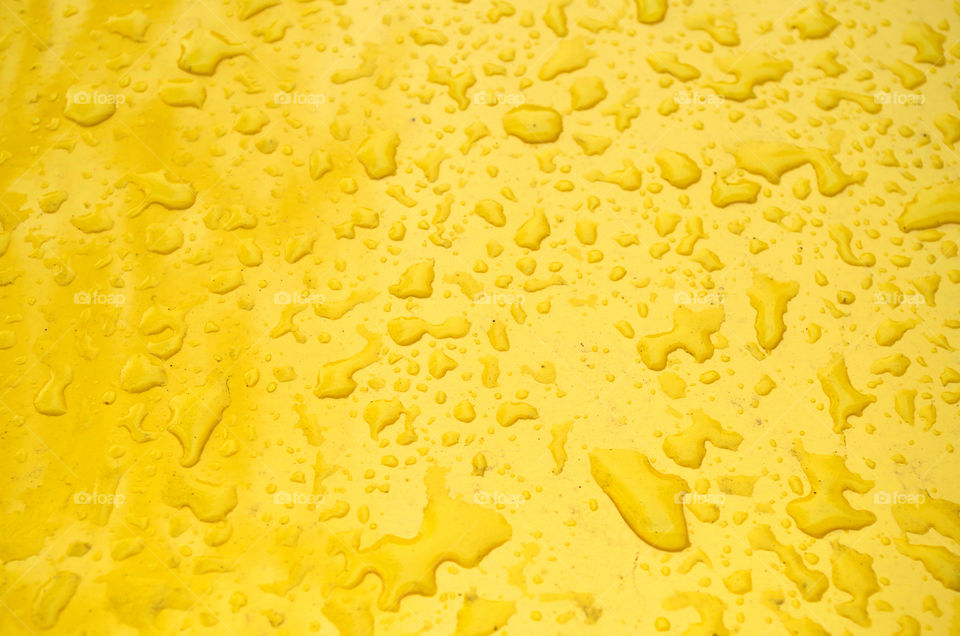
x,y
477,316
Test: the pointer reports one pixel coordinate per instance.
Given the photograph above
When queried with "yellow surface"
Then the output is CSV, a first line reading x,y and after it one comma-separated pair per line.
x,y
468,316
